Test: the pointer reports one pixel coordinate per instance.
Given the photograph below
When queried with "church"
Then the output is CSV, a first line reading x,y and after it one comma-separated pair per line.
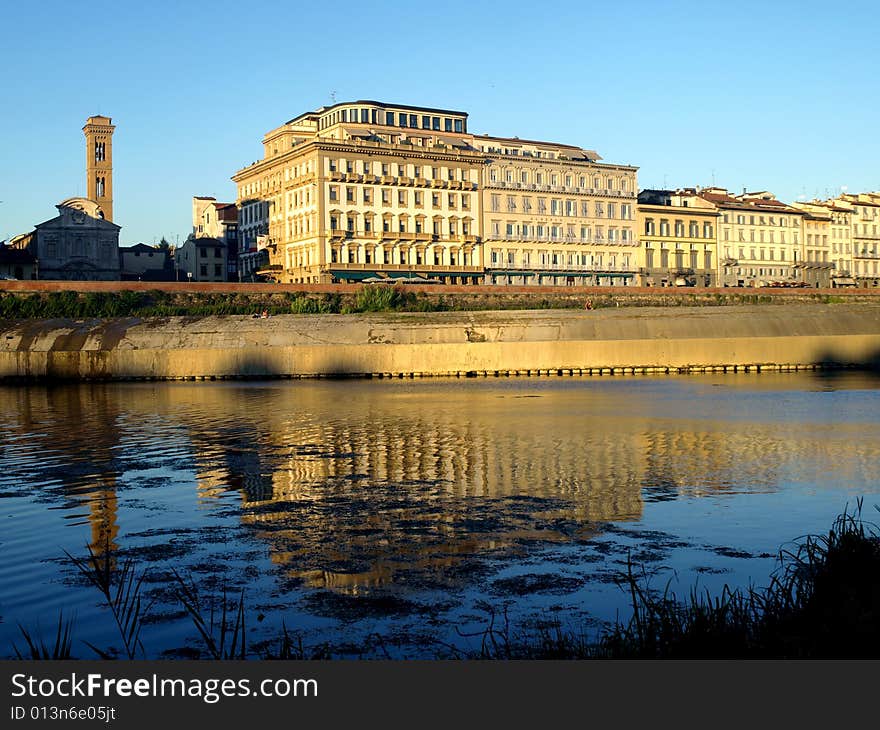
x,y
82,243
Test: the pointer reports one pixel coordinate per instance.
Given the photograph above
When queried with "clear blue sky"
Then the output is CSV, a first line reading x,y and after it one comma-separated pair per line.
x,y
769,95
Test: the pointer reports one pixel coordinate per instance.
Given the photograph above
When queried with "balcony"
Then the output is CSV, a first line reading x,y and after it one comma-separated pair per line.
x,y
433,268
336,176
388,179
403,180
421,182
568,268
438,183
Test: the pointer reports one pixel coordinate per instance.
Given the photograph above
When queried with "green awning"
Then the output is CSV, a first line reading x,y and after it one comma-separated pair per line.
x,y
353,275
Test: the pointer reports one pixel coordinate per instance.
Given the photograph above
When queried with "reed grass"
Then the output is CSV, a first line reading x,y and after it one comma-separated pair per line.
x,y
37,649
223,631
121,589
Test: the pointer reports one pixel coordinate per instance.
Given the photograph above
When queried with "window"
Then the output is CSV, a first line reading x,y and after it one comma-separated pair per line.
x,y
459,125
203,270
217,270
447,125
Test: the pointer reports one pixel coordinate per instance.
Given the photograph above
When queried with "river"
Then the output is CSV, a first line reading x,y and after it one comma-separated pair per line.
x,y
394,518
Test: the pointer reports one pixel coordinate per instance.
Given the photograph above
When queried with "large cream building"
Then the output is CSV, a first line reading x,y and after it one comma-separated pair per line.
x,y
361,190
553,214
365,189
759,238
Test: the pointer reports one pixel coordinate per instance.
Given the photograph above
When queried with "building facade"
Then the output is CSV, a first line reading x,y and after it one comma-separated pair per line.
x,y
145,263
16,262
554,215
367,190
865,222
78,244
678,232
759,239
817,263
200,259
218,221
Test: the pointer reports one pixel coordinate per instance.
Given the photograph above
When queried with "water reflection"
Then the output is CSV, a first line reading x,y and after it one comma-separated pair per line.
x,y
404,488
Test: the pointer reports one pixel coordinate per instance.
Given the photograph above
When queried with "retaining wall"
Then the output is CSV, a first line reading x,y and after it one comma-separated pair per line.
x,y
549,342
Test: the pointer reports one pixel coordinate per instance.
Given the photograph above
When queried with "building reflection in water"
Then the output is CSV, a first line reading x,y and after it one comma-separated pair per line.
x,y
354,485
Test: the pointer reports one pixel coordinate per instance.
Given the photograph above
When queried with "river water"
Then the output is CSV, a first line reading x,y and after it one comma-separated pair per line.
x,y
394,518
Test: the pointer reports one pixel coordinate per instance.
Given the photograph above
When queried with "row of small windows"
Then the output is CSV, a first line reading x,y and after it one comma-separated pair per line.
x,y
571,234
557,258
418,198
402,224
762,236
400,169
760,220
582,182
678,258
693,229
408,120
407,255
560,207
761,254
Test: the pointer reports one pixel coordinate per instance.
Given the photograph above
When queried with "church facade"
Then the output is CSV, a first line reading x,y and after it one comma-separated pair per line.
x,y
78,244
82,243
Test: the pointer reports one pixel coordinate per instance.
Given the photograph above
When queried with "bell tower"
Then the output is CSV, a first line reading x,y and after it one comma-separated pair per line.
x,y
99,163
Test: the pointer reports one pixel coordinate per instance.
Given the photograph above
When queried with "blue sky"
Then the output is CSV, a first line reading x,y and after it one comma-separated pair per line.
x,y
769,95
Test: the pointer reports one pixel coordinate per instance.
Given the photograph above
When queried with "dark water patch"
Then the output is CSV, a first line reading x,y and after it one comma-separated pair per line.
x,y
729,552
353,608
649,556
164,531
521,585
159,552
709,570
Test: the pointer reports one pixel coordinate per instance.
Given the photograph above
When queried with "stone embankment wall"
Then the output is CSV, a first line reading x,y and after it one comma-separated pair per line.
x,y
445,343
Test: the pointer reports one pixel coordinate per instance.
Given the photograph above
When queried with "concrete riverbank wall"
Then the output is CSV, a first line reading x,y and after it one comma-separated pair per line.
x,y
552,342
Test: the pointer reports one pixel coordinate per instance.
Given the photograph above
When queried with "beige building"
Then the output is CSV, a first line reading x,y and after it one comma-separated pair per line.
x,y
759,240
817,263
218,221
364,190
678,234
865,222
201,259
553,214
